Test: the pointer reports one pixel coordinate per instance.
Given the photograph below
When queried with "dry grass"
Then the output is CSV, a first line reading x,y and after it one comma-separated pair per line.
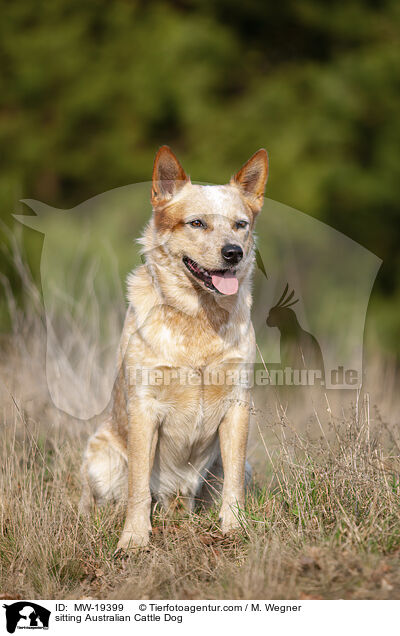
x,y
321,518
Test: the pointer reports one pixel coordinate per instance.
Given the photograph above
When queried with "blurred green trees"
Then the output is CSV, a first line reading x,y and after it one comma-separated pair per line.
x,y
90,90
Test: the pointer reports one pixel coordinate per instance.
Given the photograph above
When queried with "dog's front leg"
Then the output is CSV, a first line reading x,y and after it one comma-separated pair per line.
x,y
142,442
233,432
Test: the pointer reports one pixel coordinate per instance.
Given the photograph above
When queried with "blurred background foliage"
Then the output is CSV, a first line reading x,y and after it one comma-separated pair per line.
x,y
90,90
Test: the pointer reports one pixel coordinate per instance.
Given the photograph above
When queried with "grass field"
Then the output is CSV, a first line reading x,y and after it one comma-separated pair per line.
x,y
322,517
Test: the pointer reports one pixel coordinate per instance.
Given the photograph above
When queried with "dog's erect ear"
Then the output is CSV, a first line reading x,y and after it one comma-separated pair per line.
x,y
252,178
168,176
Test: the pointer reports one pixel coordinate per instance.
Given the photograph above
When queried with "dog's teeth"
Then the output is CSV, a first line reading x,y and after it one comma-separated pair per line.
x,y
198,269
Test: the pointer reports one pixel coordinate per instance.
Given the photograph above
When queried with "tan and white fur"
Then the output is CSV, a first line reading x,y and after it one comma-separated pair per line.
x,y
168,437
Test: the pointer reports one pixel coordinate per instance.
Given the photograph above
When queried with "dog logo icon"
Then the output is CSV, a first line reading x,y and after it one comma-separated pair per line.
x,y
26,615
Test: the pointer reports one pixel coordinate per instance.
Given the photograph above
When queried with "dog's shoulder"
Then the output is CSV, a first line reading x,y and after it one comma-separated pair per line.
x,y
141,293
138,283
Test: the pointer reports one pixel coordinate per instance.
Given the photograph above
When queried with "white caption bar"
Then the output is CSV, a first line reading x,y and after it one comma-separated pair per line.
x,y
171,617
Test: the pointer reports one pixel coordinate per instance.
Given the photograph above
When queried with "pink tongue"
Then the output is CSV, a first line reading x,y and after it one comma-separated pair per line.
x,y
226,283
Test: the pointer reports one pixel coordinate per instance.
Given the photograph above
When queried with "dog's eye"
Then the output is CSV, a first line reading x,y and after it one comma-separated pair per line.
x,y
197,223
241,224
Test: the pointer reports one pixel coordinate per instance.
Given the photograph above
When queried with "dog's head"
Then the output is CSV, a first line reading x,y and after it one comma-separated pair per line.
x,y
207,230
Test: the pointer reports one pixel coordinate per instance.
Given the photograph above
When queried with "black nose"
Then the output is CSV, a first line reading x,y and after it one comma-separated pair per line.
x,y
232,253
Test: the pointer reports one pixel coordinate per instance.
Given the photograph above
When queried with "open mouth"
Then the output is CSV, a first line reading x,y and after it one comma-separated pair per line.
x,y
222,281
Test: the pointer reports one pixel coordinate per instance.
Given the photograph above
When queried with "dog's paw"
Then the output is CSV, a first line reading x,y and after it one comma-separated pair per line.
x,y
230,519
84,507
133,539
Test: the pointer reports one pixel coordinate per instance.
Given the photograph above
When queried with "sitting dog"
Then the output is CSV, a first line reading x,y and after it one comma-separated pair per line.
x,y
177,415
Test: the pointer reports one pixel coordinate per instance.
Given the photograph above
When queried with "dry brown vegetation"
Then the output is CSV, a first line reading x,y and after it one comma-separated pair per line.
x,y
321,517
